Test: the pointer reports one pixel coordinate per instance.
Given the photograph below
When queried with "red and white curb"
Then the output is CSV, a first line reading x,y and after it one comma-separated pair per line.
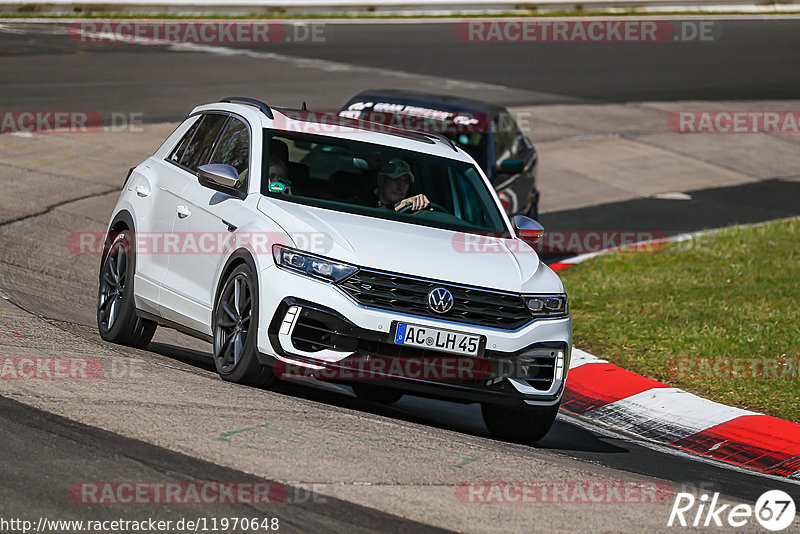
x,y
608,394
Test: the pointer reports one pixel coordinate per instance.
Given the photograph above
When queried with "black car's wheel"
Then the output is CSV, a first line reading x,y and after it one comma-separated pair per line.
x,y
375,393
116,317
525,425
235,330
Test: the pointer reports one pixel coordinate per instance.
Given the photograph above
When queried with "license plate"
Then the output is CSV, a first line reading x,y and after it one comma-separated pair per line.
x,y
437,339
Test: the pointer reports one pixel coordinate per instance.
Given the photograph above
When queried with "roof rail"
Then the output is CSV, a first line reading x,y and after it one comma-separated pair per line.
x,y
251,102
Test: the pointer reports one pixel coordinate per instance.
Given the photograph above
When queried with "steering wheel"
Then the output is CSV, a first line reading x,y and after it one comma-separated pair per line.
x,y
432,206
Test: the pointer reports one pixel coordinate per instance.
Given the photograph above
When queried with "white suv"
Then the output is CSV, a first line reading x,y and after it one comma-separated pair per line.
x,y
286,240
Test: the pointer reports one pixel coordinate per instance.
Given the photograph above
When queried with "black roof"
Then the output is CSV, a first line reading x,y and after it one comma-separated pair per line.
x,y
431,100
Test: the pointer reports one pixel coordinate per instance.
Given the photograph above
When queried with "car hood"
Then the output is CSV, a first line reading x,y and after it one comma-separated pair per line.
x,y
411,249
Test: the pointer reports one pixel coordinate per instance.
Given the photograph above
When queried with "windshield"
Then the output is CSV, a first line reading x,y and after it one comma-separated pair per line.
x,y
378,181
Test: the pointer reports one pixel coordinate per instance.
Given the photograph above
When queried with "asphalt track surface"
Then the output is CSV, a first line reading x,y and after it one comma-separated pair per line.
x,y
71,451
42,69
750,59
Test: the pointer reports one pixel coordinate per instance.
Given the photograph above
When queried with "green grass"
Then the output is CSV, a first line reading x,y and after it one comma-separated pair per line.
x,y
718,315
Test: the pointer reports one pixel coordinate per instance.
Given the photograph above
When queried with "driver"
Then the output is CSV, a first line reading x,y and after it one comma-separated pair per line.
x,y
394,179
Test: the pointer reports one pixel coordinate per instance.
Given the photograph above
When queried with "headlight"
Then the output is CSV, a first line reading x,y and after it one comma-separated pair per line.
x,y
547,305
310,265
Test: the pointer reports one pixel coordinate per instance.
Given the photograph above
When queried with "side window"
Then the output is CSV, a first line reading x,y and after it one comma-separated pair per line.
x,y
519,149
503,138
177,154
233,148
509,143
198,151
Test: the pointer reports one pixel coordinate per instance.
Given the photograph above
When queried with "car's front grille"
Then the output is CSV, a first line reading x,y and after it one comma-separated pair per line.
x,y
403,294
316,330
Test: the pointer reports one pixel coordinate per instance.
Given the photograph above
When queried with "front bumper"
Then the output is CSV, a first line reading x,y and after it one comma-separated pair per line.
x,y
327,335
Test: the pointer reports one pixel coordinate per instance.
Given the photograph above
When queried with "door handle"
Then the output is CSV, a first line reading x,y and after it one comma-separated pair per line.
x,y
142,190
183,212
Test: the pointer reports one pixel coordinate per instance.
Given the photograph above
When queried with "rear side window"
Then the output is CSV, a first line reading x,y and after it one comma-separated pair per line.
x,y
177,154
198,149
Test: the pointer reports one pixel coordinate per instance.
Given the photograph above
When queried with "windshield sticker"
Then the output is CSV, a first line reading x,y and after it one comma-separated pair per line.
x,y
417,118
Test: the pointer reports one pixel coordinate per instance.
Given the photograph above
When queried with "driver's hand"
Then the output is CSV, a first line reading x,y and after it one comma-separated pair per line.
x,y
417,202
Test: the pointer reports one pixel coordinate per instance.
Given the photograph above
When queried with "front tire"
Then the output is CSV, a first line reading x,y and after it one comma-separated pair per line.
x,y
235,328
117,321
526,425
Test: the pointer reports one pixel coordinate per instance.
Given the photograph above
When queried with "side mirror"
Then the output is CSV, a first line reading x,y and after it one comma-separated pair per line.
x,y
220,177
528,230
511,166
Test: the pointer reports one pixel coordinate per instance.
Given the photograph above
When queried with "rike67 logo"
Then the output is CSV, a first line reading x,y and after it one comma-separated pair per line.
x,y
774,510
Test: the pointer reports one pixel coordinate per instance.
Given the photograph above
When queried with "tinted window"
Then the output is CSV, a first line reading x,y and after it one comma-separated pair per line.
x,y
177,154
202,144
503,138
509,143
233,148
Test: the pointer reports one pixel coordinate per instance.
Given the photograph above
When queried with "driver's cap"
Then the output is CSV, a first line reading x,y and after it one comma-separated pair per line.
x,y
395,168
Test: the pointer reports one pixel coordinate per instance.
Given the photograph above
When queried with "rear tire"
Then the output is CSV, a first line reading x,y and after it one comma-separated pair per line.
x,y
235,327
117,321
375,393
526,425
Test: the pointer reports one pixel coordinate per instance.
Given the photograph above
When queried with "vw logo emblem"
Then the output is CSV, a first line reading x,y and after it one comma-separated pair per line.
x,y
440,300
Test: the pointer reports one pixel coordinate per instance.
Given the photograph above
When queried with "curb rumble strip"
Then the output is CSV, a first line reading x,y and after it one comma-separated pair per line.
x,y
605,393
